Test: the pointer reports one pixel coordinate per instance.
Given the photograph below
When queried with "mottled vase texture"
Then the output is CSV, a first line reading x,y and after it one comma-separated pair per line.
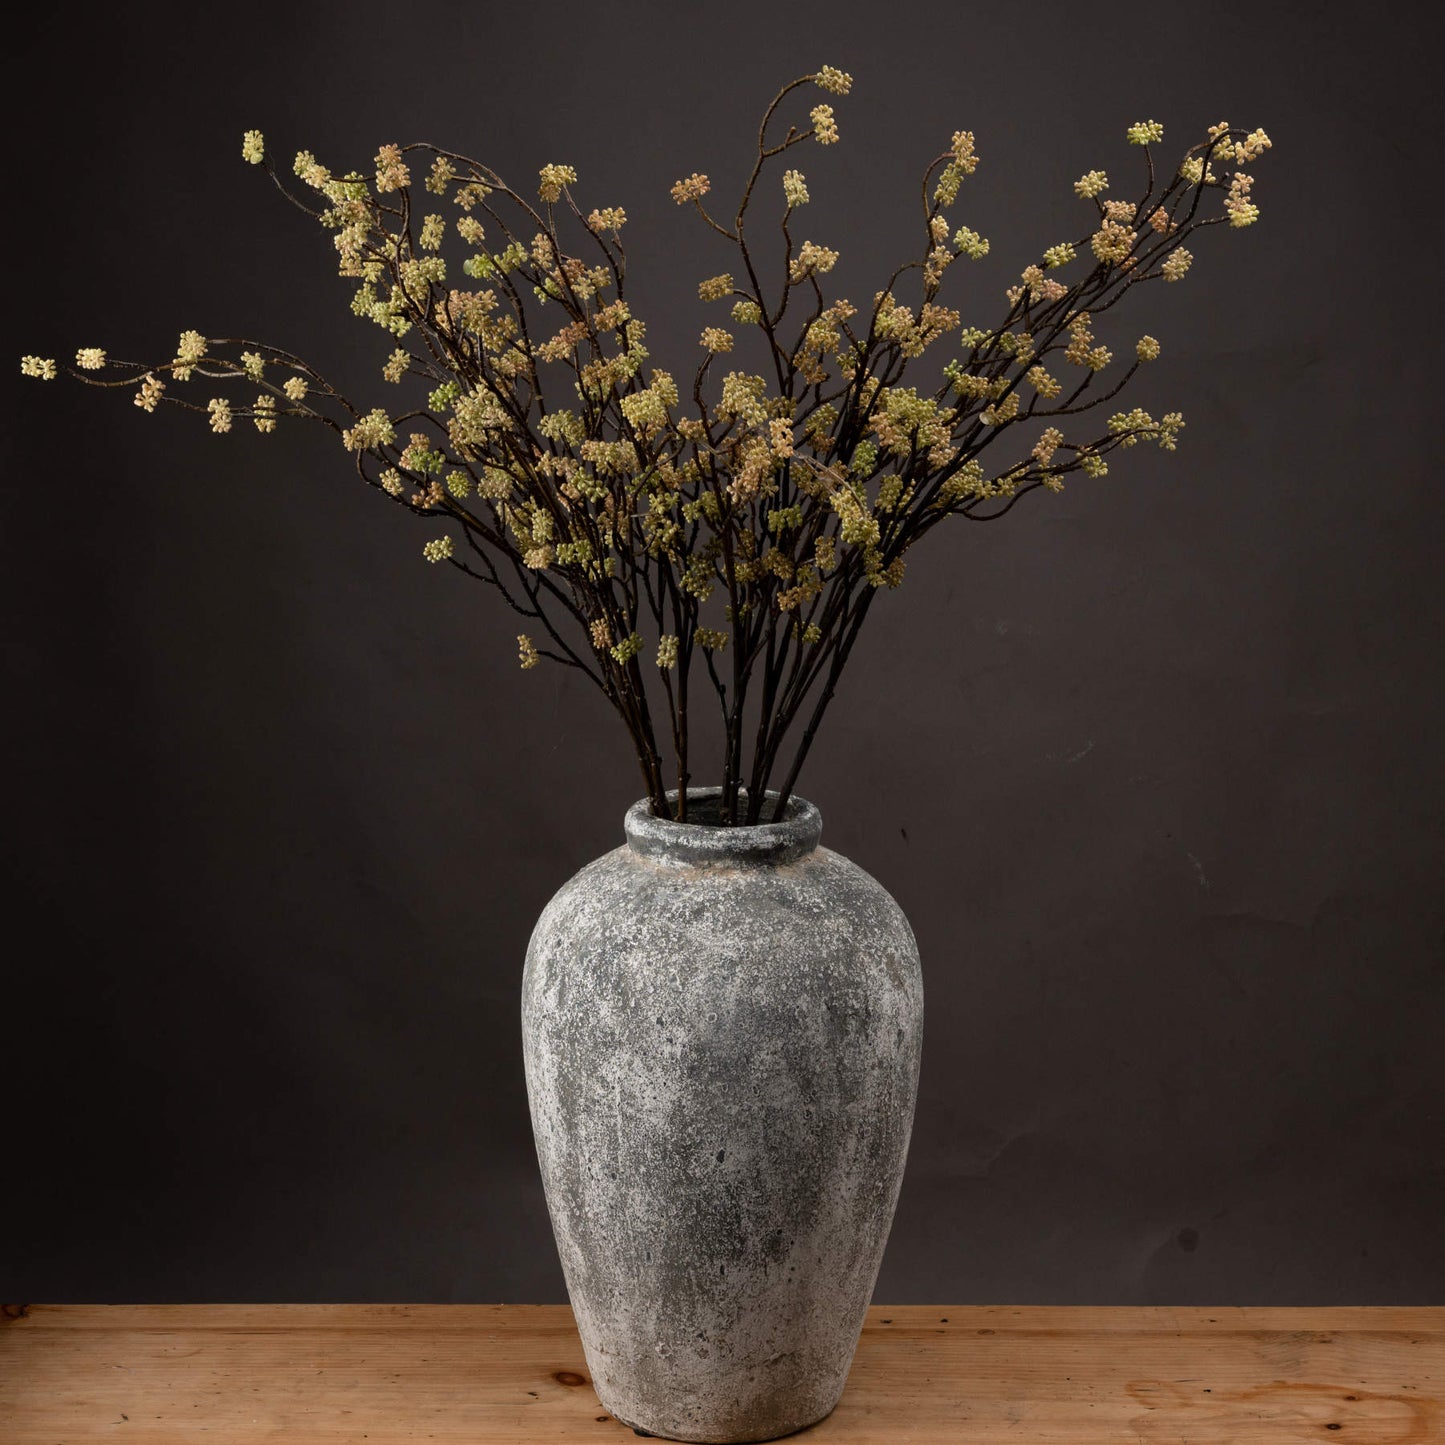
x,y
722,1031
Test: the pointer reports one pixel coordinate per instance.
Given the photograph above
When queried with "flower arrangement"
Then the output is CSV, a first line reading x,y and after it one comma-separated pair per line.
x,y
727,535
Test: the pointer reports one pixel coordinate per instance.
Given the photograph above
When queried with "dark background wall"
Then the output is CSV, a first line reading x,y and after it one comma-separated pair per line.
x,y
1153,766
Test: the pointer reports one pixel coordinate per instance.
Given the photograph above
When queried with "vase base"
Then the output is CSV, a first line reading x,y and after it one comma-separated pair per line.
x,y
747,1438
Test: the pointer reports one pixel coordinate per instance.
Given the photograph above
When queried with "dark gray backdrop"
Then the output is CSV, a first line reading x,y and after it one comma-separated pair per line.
x,y
1153,766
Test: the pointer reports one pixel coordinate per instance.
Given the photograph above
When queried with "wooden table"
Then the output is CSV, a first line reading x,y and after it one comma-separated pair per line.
x,y
515,1375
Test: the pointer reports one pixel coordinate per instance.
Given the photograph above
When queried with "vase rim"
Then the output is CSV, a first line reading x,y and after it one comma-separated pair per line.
x,y
792,837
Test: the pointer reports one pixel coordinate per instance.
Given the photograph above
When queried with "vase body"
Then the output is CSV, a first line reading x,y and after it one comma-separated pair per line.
x,y
722,1030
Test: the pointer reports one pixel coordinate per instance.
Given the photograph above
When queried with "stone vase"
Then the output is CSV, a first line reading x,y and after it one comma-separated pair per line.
x,y
722,1031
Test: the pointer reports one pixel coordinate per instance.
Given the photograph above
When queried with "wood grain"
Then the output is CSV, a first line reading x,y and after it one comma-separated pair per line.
x,y
924,1375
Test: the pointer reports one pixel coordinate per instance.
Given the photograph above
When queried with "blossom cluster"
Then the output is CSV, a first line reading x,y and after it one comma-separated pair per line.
x,y
644,521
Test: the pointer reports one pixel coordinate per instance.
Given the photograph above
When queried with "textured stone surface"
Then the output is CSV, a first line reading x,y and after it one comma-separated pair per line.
x,y
722,1031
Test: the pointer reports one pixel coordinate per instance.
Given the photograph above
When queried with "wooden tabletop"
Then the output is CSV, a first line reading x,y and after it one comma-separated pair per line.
x,y
515,1375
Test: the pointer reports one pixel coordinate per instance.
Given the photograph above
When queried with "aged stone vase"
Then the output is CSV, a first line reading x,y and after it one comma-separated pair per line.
x,y
722,1031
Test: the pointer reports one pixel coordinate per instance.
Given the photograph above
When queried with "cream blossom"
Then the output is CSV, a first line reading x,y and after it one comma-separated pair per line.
x,y
553,179
693,188
825,128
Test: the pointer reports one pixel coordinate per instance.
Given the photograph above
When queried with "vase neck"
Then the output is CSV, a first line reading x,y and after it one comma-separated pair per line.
x,y
703,839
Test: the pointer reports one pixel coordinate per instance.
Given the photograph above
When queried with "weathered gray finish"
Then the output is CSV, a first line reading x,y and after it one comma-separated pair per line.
x,y
722,1030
